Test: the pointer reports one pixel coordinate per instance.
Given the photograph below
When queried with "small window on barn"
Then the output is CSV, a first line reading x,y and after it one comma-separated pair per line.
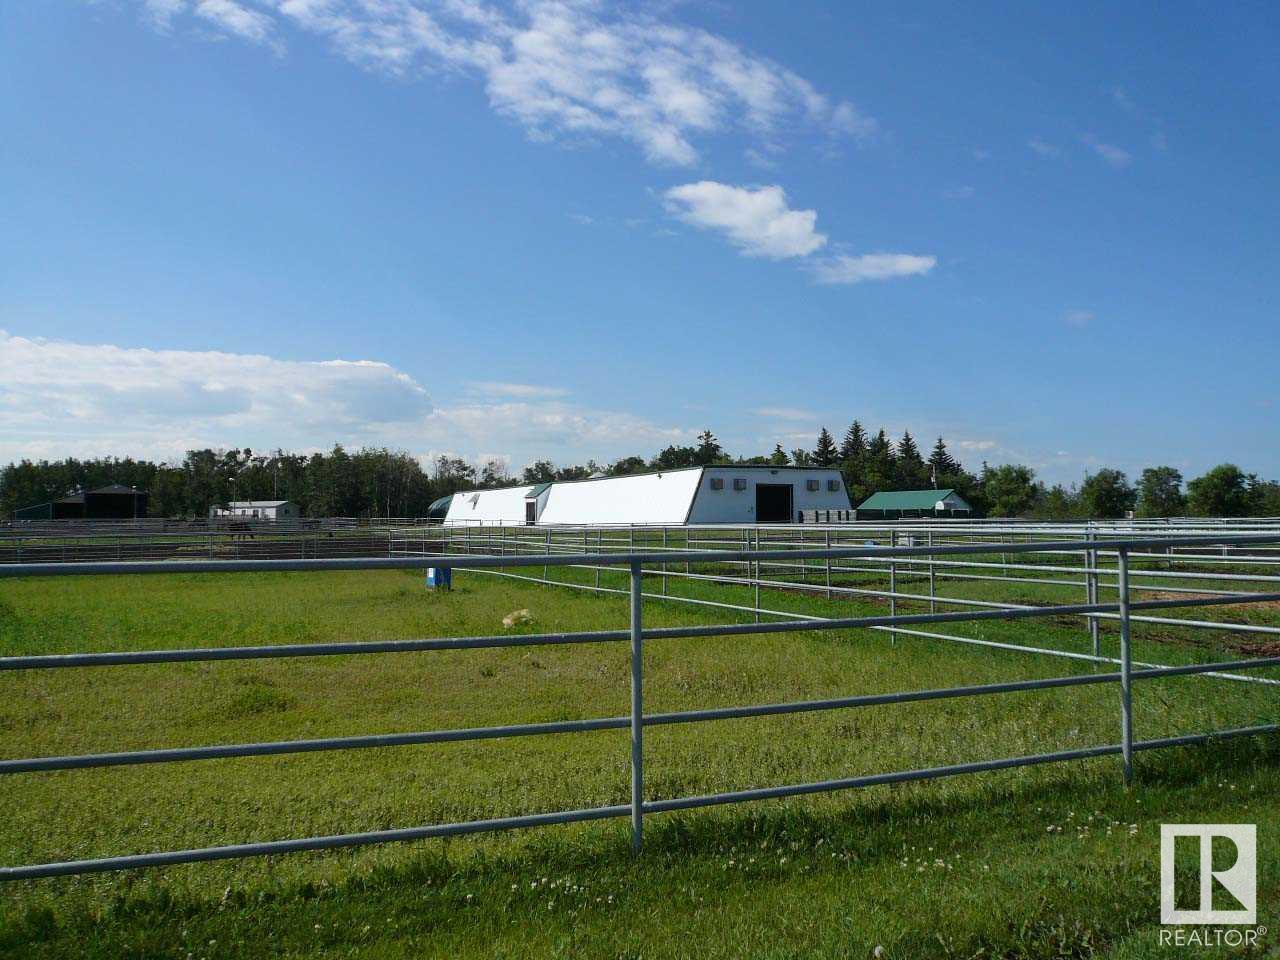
x,y
812,484
740,483
833,485
717,483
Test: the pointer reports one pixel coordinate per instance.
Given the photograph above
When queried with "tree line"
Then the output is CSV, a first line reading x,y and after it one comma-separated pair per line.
x,y
377,482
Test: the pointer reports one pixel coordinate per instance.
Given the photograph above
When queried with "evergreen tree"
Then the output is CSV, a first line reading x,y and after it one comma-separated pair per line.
x,y
880,470
779,456
942,465
854,446
709,449
824,454
911,472
802,458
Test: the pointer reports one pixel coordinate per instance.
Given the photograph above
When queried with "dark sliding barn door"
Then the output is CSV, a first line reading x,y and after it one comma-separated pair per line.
x,y
773,503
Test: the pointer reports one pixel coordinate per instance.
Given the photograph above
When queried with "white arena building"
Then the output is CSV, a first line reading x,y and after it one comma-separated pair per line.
x,y
697,495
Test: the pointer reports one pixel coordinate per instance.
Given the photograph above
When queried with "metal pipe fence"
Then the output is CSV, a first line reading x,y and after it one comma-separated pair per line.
x,y
639,562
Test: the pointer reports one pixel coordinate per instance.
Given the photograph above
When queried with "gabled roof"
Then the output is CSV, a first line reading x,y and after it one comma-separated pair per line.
x,y
909,499
250,504
537,490
116,488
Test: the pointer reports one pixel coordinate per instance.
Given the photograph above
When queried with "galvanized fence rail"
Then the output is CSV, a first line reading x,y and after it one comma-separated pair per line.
x,y
634,562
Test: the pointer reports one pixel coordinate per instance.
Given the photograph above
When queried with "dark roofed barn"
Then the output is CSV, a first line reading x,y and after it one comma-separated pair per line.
x,y
113,502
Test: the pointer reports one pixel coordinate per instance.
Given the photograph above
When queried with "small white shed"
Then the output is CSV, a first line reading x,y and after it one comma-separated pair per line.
x,y
258,510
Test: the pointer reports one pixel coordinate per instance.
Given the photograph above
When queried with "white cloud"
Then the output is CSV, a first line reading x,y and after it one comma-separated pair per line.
x,y
784,413
234,18
759,158
959,193
59,398
1043,148
495,388
162,12
563,69
1114,155
1078,318
871,266
757,221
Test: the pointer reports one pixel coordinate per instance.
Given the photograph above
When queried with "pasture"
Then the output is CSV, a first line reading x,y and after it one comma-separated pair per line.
x,y
1054,861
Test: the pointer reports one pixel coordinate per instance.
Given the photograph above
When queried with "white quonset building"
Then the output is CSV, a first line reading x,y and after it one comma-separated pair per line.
x,y
697,495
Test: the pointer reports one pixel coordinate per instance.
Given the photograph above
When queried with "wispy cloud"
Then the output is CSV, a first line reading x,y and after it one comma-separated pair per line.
x,y
232,17
497,388
582,219
1078,318
761,158
1116,156
1043,148
562,69
784,413
756,220
871,266
959,193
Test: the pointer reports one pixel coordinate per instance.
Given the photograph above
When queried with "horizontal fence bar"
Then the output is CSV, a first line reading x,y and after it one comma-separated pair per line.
x,y
226,751
49,661
933,773
271,847
268,848
628,553
464,561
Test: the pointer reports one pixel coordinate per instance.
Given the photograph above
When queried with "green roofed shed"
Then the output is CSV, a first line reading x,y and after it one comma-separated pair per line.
x,y
906,504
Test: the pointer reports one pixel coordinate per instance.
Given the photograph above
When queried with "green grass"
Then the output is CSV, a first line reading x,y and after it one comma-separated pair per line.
x,y
1040,862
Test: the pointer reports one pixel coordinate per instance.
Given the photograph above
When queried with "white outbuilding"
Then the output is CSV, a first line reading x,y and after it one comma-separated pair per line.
x,y
258,510
736,494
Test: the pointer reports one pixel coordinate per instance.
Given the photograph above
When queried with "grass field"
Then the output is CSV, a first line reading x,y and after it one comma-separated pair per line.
x,y
1055,861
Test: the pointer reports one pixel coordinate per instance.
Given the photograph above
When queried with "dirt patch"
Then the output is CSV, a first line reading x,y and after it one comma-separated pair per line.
x,y
1167,595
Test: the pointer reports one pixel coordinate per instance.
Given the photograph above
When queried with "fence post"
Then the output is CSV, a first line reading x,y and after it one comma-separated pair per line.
x,y
828,562
664,562
1126,666
1091,595
933,580
757,565
637,710
893,585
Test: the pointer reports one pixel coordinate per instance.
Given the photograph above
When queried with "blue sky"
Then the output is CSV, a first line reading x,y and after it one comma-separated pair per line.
x,y
589,229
